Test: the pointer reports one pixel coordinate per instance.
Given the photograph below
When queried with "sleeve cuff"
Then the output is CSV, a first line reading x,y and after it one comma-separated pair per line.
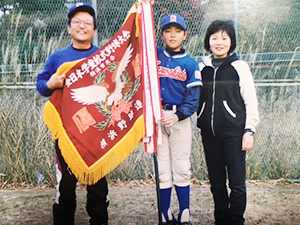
x,y
180,115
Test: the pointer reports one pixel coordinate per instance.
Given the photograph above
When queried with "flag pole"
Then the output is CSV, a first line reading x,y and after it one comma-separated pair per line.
x,y
157,188
152,111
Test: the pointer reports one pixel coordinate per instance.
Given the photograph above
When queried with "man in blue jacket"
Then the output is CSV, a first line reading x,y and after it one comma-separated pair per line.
x,y
82,29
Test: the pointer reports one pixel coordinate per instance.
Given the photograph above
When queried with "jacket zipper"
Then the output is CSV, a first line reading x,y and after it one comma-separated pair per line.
x,y
213,102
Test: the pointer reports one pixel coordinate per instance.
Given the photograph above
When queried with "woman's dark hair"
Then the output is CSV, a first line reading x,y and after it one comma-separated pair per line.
x,y
223,25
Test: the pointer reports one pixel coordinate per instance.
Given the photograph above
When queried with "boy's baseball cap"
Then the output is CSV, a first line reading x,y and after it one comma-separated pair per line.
x,y
81,7
173,19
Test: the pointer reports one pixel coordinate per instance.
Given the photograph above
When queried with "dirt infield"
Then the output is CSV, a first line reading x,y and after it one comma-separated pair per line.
x,y
134,202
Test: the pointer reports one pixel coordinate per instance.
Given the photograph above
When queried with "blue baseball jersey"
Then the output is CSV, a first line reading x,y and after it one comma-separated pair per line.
x,y
180,81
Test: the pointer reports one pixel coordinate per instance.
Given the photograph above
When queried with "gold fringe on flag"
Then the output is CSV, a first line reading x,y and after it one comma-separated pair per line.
x,y
108,162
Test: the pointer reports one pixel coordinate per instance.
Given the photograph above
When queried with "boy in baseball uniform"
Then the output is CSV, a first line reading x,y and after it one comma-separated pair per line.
x,y
180,82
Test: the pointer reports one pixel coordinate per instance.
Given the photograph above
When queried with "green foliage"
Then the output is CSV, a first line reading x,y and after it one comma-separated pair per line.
x,y
279,37
6,6
28,26
192,11
30,6
100,78
29,40
128,97
186,8
112,13
106,111
280,33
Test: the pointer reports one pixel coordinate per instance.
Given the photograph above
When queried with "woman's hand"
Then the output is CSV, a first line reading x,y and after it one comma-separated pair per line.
x,y
248,141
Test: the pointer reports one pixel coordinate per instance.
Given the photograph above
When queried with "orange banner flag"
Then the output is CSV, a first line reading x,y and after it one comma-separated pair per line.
x,y
97,116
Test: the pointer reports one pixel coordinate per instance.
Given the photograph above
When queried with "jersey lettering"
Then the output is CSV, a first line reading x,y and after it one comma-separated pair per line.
x,y
176,73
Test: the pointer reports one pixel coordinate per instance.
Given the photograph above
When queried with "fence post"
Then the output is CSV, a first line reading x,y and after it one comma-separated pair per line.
x,y
95,39
235,22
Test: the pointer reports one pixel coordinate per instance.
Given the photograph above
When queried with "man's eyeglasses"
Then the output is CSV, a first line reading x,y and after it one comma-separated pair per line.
x,y
86,23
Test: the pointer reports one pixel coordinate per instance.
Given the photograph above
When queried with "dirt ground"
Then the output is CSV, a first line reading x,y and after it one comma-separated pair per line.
x,y
134,202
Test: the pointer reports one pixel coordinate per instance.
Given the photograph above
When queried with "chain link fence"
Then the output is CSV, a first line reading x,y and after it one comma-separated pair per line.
x,y
268,40
268,31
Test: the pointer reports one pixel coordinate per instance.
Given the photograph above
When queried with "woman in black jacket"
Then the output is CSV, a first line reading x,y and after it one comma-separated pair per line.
x,y
227,117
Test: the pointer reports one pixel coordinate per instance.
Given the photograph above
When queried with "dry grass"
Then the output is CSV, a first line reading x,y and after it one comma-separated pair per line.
x,y
27,146
19,53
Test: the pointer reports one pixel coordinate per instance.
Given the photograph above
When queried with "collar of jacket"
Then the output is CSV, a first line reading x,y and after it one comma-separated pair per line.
x,y
207,60
182,55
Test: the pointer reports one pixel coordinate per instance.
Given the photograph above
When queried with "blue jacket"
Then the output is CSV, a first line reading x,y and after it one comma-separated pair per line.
x,y
55,60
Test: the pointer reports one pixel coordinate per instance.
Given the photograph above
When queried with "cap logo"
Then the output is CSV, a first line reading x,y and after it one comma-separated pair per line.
x,y
79,4
173,18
